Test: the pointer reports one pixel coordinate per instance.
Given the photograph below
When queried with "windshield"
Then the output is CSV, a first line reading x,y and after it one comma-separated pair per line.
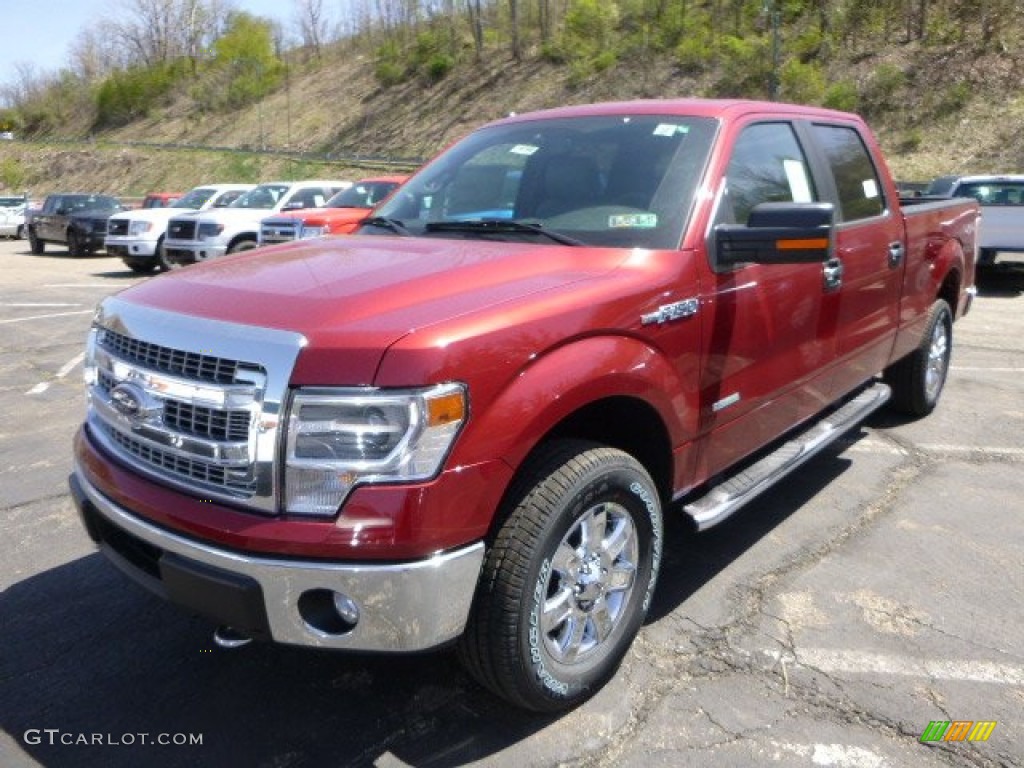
x,y
11,202
993,192
90,203
621,180
365,194
264,196
194,199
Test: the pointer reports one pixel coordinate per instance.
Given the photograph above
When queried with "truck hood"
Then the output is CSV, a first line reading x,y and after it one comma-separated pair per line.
x,y
237,217
156,215
353,297
319,217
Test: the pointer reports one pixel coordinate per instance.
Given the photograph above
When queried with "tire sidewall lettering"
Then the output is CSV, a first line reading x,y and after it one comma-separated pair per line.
x,y
621,484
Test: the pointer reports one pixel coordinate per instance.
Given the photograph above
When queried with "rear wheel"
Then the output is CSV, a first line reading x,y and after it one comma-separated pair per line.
x,y
568,580
918,379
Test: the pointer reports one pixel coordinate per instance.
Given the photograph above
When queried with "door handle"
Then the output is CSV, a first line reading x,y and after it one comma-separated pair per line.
x,y
896,252
832,272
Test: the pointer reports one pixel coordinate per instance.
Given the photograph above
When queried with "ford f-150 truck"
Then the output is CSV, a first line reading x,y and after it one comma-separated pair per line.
x,y
341,215
78,221
138,236
466,422
203,235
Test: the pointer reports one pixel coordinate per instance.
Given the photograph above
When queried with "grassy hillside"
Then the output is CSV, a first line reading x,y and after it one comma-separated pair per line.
x,y
938,111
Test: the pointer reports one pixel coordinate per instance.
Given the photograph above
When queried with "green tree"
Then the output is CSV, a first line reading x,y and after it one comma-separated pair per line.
x,y
245,53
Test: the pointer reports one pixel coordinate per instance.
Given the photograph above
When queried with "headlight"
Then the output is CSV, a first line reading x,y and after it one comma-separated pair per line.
x,y
305,232
139,227
338,439
209,229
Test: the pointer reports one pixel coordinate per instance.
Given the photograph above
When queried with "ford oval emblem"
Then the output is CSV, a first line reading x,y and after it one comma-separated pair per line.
x,y
132,402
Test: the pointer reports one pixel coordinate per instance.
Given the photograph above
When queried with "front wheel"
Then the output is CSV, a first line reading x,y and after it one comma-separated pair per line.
x,y
36,245
76,245
243,245
164,264
918,379
569,578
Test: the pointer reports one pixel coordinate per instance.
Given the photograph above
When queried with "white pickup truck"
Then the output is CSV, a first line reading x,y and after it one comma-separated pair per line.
x,y
204,235
138,236
1001,233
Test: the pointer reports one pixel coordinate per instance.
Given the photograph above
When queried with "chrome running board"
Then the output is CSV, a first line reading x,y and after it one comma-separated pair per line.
x,y
731,494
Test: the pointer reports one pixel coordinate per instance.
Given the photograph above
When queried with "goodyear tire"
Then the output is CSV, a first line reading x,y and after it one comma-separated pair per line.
x,y
568,580
918,379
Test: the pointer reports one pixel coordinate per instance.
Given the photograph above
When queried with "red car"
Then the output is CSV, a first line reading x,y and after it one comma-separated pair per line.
x,y
339,216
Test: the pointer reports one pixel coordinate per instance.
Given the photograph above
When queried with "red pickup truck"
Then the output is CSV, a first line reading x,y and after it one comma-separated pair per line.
x,y
341,215
466,422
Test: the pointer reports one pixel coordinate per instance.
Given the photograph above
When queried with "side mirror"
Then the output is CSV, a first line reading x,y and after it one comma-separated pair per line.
x,y
778,233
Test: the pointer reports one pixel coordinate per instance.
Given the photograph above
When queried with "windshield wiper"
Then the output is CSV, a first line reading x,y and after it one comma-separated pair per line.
x,y
500,226
385,223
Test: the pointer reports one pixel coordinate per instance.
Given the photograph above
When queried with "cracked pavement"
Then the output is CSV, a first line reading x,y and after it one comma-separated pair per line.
x,y
826,624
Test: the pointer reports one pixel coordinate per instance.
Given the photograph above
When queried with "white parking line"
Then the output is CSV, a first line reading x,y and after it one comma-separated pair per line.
x,y
76,285
24,304
65,369
865,662
45,317
839,755
985,369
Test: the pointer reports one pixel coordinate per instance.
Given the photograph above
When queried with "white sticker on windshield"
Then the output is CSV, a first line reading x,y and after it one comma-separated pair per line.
x,y
633,221
523,149
665,129
870,188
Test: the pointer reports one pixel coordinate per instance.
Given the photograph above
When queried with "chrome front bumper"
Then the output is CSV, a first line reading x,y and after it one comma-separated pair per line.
x,y
131,247
402,607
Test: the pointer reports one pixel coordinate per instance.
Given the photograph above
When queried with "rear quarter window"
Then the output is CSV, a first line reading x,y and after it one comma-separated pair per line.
x,y
857,182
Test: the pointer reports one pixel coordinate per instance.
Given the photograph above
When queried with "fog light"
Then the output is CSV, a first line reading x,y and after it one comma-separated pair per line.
x,y
328,612
346,608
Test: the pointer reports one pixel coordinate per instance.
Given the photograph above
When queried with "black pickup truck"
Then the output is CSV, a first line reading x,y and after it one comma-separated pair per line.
x,y
78,221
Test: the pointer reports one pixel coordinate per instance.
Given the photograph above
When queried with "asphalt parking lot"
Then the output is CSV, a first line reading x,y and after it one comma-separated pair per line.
x,y
875,592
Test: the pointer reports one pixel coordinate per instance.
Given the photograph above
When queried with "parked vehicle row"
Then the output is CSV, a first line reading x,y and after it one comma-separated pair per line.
x,y
209,221
203,235
137,237
341,215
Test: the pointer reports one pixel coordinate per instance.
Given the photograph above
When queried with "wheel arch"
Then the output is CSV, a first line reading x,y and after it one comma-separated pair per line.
x,y
621,394
242,237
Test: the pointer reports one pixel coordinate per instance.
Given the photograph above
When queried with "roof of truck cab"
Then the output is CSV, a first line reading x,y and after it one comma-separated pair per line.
x,y
691,107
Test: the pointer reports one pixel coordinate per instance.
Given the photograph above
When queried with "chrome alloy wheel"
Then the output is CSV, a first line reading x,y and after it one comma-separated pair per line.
x,y
938,361
592,576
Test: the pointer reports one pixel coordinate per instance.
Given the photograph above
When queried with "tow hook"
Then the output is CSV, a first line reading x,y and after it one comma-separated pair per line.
x,y
229,637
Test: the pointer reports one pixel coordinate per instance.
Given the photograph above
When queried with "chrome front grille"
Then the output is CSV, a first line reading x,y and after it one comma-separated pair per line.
x,y
279,231
192,365
181,229
193,403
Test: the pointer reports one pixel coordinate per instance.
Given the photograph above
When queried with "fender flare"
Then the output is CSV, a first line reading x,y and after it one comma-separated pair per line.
x,y
553,387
